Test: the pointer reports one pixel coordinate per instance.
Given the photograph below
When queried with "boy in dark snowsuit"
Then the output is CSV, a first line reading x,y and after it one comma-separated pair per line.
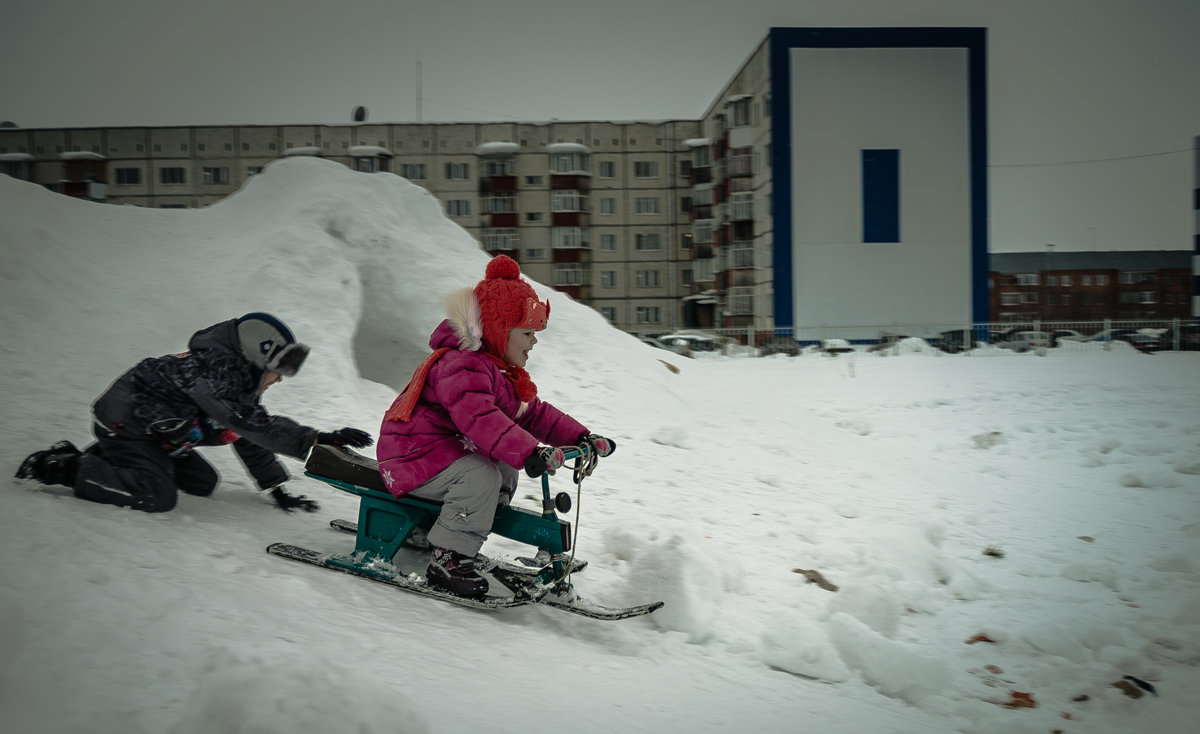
x,y
149,421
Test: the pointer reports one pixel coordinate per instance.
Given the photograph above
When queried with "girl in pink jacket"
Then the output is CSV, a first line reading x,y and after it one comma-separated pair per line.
x,y
470,418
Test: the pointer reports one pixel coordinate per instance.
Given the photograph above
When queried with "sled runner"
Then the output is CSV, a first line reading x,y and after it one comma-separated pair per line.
x,y
386,524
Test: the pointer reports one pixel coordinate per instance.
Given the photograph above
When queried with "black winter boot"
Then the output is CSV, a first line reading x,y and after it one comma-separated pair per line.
x,y
455,573
58,464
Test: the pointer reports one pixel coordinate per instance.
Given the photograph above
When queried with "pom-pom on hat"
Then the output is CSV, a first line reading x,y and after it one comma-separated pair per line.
x,y
506,302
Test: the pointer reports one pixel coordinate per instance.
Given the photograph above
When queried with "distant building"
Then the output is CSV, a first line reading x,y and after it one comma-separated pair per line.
x,y
839,179
1090,286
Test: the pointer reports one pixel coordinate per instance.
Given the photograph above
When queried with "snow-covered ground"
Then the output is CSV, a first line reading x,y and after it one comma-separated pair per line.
x,y
1050,504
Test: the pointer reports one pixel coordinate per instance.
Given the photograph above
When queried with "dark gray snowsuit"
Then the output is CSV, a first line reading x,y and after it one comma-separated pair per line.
x,y
147,422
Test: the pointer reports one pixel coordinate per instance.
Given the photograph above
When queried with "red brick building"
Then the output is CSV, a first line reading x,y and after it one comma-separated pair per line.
x,y
1090,286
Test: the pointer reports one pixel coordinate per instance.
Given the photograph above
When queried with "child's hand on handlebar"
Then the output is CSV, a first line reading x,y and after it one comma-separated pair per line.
x,y
598,445
544,460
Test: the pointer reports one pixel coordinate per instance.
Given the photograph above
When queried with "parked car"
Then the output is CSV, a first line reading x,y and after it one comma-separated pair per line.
x,y
951,342
1109,334
1003,334
886,341
835,346
686,344
654,342
1147,343
1065,335
779,345
1189,338
1023,341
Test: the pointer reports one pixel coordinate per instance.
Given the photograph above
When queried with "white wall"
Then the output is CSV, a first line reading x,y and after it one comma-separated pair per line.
x,y
915,100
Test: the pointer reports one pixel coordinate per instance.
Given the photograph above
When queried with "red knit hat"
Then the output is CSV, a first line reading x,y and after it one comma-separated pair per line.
x,y
507,302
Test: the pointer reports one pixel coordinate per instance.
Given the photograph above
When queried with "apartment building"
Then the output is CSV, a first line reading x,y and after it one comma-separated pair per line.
x,y
838,177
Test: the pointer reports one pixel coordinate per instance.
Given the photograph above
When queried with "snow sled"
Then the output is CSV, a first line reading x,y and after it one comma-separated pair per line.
x,y
386,524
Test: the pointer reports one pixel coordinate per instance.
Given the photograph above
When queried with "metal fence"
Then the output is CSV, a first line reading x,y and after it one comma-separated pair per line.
x,y
944,335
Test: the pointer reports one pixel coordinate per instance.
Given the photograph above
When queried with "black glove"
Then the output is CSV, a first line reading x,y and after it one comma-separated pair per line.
x,y
544,461
288,502
346,437
599,445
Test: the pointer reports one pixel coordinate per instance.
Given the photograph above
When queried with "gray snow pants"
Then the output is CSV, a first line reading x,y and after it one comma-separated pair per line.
x,y
470,490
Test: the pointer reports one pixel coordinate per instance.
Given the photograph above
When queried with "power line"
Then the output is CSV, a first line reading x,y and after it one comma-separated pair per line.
x,y
1092,160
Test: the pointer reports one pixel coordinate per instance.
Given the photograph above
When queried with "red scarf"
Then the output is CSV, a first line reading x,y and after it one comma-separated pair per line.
x,y
406,402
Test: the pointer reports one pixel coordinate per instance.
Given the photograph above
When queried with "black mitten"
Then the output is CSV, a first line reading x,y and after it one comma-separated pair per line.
x,y
346,437
544,461
288,502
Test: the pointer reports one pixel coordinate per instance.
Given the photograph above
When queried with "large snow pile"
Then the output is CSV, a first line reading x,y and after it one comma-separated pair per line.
x,y
907,541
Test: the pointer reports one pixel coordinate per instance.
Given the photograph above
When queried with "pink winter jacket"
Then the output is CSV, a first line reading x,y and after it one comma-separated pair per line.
x,y
467,406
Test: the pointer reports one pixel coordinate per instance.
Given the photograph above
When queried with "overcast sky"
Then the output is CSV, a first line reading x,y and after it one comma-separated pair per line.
x,y
1093,103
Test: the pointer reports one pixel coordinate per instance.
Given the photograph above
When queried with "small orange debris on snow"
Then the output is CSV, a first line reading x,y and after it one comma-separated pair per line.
x,y
1021,700
979,638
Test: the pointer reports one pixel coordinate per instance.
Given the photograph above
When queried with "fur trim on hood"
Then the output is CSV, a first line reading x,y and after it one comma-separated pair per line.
x,y
462,311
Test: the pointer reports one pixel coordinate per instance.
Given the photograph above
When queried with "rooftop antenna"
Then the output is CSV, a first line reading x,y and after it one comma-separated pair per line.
x,y
418,89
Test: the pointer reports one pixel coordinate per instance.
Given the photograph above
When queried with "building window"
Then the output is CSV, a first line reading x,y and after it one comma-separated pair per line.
x,y
219,175
535,216
497,166
413,171
367,164
568,162
567,201
739,113
608,206
701,156
881,195
498,204
649,241
1026,278
1147,297
608,242
1101,280
743,257
1051,280
571,274
1029,298
129,176
648,205
1087,280
253,170
648,315
608,169
499,239
1065,300
457,171
703,230
458,208
537,253
569,237
608,279
172,176
533,180
645,169
741,300
609,313
741,206
741,162
1010,299
649,279
1065,281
